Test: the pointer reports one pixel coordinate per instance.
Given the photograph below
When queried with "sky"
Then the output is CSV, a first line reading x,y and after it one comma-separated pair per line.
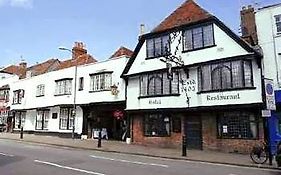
x,y
32,30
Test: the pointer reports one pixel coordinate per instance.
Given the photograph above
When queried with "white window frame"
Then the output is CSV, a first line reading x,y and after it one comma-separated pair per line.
x,y
63,87
101,81
40,90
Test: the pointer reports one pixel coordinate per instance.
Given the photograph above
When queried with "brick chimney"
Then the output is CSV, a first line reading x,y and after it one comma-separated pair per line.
x,y
78,49
23,64
248,24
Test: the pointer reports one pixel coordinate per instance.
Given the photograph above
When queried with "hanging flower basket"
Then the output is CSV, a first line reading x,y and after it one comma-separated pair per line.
x,y
118,114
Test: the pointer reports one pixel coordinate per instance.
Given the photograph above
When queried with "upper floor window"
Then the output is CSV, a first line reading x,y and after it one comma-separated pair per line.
x,y
157,47
157,83
4,95
278,23
225,75
40,90
63,87
198,37
18,95
81,83
100,81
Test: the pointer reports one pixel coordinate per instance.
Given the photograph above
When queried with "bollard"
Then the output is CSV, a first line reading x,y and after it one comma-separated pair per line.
x,y
183,145
99,139
21,133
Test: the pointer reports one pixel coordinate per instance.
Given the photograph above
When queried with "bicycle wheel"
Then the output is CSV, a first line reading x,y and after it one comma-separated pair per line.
x,y
259,158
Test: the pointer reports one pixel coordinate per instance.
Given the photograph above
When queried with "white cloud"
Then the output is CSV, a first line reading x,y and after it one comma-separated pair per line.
x,y
17,3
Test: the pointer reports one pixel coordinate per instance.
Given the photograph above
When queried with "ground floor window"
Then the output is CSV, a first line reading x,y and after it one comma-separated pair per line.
x,y
66,118
240,125
157,125
42,120
19,119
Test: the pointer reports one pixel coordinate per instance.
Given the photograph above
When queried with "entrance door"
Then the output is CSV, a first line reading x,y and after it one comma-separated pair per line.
x,y
193,132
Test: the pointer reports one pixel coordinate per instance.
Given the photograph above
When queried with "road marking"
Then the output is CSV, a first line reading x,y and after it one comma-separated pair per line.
x,y
8,155
127,161
68,168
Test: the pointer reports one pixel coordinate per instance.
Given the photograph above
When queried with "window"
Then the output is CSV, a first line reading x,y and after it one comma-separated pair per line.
x,y
101,82
81,83
278,23
176,124
225,75
40,90
19,119
66,118
42,119
18,95
238,125
198,37
153,84
157,47
63,87
4,94
157,125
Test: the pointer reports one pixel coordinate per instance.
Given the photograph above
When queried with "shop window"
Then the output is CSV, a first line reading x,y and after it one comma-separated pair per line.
x,y
157,83
66,118
197,38
157,125
42,120
238,125
63,87
158,46
101,81
225,75
19,119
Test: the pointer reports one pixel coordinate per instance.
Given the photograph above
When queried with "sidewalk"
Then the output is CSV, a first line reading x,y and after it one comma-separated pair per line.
x,y
122,147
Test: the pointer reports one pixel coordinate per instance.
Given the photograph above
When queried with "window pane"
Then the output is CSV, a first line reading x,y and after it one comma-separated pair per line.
x,y
237,74
248,73
197,38
175,83
157,45
226,76
278,23
165,45
206,78
46,120
157,125
150,48
216,76
151,85
166,84
158,84
208,35
143,85
188,40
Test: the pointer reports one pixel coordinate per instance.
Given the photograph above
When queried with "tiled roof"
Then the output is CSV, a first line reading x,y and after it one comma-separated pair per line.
x,y
81,60
188,12
17,70
44,67
122,51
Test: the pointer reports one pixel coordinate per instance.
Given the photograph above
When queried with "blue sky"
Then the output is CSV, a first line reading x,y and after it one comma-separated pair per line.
x,y
34,29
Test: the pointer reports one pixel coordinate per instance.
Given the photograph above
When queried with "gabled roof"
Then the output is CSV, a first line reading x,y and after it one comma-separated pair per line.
x,y
47,66
17,70
81,60
188,12
122,51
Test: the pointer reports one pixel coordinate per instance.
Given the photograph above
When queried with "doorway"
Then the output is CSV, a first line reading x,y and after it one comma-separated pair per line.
x,y
193,132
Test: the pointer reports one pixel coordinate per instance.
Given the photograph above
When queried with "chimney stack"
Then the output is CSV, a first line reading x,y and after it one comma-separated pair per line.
x,y
78,49
142,29
248,24
23,64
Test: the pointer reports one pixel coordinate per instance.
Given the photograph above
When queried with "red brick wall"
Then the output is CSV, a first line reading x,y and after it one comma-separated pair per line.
x,y
138,137
211,142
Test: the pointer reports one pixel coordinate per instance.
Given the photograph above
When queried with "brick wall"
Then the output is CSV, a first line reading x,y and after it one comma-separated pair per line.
x,y
138,137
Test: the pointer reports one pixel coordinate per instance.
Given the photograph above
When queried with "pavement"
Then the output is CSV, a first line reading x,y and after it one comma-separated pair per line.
x,y
133,149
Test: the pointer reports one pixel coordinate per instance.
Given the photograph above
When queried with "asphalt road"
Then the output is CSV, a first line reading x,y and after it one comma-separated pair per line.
x,y
18,158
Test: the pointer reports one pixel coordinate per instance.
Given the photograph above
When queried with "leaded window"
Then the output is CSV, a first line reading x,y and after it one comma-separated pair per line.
x,y
198,37
225,75
101,81
157,125
63,87
158,46
238,125
157,83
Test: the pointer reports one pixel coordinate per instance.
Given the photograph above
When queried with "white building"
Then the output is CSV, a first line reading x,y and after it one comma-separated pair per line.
x,y
214,98
44,103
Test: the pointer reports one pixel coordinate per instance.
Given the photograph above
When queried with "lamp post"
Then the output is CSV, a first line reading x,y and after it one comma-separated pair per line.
x,y
74,93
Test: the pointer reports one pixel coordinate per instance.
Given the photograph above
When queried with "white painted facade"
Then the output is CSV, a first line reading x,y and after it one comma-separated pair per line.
x,y
31,103
270,42
225,47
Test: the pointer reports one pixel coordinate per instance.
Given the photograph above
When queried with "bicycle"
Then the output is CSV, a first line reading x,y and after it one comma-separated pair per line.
x,y
260,153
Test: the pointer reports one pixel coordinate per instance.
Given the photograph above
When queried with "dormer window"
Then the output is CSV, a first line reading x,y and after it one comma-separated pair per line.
x,y
278,23
157,47
198,38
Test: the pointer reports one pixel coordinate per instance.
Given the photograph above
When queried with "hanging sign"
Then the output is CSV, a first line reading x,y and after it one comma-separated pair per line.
x,y
269,94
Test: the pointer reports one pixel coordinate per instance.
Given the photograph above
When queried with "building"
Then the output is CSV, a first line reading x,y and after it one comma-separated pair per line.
x,y
192,76
43,103
268,28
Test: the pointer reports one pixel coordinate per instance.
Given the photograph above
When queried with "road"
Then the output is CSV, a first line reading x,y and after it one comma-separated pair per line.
x,y
34,159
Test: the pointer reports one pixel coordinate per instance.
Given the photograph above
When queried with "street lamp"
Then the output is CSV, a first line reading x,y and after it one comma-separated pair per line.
x,y
74,93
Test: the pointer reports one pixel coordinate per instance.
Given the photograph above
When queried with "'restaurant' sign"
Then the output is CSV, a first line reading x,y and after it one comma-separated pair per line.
x,y
269,94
